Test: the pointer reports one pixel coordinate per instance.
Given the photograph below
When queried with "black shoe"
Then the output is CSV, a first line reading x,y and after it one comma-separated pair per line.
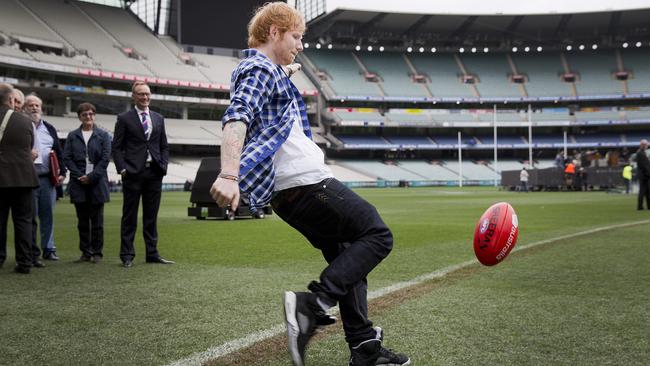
x,y
160,260
302,315
387,357
365,353
51,256
38,264
96,259
21,269
83,258
373,353
127,263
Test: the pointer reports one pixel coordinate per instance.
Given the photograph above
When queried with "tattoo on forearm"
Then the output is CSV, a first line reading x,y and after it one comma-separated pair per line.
x,y
233,140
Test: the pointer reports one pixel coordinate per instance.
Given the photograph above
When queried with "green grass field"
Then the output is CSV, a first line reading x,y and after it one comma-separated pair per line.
x,y
578,301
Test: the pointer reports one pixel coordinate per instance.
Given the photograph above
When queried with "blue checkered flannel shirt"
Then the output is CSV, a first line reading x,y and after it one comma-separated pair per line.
x,y
263,97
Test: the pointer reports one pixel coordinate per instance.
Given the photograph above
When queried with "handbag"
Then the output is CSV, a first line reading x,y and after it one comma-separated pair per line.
x,y
54,169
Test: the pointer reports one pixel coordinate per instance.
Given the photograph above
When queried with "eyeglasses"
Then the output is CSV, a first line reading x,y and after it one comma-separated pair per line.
x,y
143,94
87,114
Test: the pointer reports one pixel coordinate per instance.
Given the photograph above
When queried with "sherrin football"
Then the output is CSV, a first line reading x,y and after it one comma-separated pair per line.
x,y
496,234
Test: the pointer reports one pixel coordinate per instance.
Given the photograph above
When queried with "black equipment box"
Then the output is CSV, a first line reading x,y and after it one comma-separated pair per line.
x,y
203,206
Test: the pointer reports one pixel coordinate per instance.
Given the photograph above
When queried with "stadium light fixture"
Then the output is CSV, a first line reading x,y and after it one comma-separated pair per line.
x,y
358,48
409,50
539,49
369,48
526,49
581,47
381,48
569,47
421,49
486,50
625,44
461,50
433,50
514,49
318,46
329,46
594,46
638,44
306,45
473,49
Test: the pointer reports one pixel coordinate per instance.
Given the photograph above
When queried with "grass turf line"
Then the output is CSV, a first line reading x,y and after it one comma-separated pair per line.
x,y
229,276
273,350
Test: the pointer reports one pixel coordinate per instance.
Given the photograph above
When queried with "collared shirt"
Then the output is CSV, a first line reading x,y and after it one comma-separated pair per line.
x,y
43,142
147,133
261,96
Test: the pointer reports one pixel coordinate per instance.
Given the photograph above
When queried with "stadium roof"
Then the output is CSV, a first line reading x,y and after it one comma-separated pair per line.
x,y
352,27
491,7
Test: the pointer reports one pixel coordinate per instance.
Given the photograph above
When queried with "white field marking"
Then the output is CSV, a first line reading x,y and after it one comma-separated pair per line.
x,y
238,344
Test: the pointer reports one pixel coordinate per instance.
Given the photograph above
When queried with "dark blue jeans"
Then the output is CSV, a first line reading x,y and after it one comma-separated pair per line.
x,y
353,239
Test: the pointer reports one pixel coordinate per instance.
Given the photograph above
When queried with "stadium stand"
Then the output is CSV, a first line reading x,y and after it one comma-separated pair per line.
x,y
543,71
348,175
394,74
493,72
361,119
343,72
84,35
595,69
444,74
129,33
636,61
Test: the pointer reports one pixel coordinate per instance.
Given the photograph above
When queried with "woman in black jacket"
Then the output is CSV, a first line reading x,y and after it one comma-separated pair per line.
x,y
86,154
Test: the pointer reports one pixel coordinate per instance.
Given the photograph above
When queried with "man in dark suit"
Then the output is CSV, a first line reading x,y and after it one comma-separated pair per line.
x,y
17,180
643,173
140,154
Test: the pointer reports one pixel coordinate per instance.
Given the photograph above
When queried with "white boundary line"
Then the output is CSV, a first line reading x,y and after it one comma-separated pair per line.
x,y
238,344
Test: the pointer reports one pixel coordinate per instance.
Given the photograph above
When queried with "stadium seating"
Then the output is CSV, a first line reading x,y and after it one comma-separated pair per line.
x,y
129,32
444,73
85,35
595,69
17,21
345,174
543,70
429,170
394,72
345,76
636,61
492,72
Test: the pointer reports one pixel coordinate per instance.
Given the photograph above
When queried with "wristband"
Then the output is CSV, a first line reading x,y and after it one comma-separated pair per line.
x,y
229,176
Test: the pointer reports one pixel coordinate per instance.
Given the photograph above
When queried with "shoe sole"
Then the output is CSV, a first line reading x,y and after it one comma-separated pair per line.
x,y
407,363
293,330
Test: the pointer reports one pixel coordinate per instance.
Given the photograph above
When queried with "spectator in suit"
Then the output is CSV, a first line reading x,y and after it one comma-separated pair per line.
x,y
140,154
17,180
45,140
86,154
643,174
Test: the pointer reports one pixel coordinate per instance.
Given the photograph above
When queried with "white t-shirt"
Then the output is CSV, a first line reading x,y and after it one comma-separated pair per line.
x,y
86,135
299,161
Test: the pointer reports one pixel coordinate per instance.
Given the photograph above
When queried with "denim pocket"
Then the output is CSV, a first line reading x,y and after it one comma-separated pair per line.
x,y
318,215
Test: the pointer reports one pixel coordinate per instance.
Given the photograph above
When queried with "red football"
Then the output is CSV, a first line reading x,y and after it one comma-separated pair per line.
x,y
496,233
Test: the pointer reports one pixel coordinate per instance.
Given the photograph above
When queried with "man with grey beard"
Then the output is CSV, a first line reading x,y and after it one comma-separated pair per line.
x,y
45,140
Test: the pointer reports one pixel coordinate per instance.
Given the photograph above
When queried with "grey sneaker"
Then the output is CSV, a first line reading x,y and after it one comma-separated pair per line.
x,y
372,353
303,316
